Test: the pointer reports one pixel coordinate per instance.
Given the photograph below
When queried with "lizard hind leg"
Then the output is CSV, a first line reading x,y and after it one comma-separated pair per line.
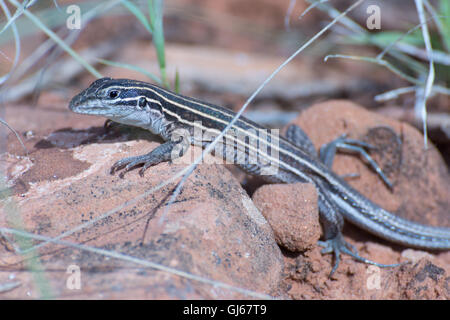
x,y
332,223
328,151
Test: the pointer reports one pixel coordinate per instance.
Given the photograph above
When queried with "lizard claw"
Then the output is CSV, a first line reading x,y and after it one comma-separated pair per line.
x,y
127,164
116,166
141,171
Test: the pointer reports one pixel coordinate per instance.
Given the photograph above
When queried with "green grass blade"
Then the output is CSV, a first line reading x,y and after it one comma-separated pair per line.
x,y
444,8
138,14
177,81
155,8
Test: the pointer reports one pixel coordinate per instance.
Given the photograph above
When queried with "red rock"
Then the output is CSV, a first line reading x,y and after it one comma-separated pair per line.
x,y
291,210
213,230
424,280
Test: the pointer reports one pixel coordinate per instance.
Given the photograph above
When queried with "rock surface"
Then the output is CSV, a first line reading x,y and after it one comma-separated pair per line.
x,y
291,210
212,231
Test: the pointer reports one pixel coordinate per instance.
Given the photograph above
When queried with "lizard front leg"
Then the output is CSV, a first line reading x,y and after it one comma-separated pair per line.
x,y
175,148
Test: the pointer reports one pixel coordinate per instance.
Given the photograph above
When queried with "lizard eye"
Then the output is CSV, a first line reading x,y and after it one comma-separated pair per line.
x,y
113,94
142,102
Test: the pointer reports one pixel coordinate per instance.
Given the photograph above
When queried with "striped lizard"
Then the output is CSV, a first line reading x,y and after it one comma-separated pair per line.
x,y
165,113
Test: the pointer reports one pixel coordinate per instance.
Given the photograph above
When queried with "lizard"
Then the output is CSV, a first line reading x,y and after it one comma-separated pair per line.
x,y
165,113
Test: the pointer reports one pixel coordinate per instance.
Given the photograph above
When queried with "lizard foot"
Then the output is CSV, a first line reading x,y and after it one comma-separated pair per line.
x,y
160,154
343,143
338,245
129,163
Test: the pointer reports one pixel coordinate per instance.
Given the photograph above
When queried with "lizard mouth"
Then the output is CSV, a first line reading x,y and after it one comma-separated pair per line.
x,y
80,105
86,109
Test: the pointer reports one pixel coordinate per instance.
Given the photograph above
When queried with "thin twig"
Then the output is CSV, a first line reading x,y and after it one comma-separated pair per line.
x,y
437,56
430,78
287,17
19,11
380,62
8,286
17,135
392,94
400,38
310,7
333,13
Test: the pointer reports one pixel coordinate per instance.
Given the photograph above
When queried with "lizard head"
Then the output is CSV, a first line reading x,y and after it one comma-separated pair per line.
x,y
125,101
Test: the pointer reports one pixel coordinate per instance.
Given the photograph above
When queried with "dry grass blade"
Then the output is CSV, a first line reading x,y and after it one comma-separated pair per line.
x,y
430,78
15,133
